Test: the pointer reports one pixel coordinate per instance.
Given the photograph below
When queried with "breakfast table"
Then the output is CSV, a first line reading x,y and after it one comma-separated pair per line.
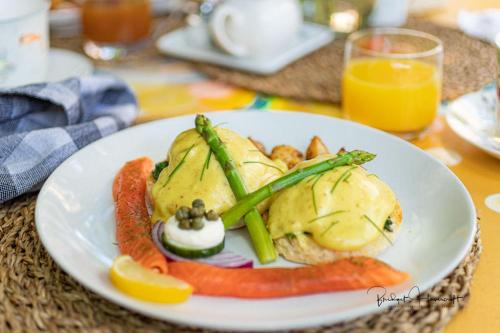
x,y
168,87
175,88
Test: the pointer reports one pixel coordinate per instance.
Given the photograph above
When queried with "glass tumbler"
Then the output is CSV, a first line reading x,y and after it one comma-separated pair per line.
x,y
392,79
113,28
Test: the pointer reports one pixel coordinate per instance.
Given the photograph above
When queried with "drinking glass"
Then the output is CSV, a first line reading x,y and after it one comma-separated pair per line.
x,y
113,28
342,16
392,79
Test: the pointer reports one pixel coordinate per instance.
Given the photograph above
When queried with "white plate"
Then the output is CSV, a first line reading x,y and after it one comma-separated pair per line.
x,y
473,118
192,43
64,64
74,218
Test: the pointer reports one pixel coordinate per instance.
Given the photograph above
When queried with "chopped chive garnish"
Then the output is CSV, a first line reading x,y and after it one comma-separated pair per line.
x,y
348,176
378,229
220,124
178,166
328,228
341,178
314,193
327,215
290,236
313,177
206,164
372,175
263,163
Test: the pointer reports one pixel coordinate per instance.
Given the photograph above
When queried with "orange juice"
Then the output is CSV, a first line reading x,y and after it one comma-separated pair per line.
x,y
391,94
116,21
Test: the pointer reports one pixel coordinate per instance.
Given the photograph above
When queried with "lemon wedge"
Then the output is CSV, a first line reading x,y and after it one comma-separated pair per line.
x,y
144,284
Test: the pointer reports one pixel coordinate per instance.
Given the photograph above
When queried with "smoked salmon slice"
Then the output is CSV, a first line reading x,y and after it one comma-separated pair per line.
x,y
345,274
133,226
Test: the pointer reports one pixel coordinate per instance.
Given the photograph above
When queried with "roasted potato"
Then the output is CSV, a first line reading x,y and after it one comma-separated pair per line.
x,y
288,154
341,151
259,145
316,147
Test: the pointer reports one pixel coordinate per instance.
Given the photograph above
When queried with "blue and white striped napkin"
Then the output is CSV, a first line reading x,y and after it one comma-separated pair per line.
x,y
43,124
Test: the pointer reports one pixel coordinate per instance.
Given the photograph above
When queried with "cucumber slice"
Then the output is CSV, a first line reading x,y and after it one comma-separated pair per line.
x,y
191,253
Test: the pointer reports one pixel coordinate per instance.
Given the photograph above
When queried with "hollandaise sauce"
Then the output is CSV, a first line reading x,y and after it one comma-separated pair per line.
x,y
342,209
193,172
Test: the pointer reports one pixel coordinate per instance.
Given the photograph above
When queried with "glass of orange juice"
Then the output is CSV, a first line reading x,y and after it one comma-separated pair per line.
x,y
113,28
392,79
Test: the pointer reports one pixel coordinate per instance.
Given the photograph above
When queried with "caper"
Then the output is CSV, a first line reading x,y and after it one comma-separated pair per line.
x,y
197,223
196,212
182,213
198,203
211,215
184,224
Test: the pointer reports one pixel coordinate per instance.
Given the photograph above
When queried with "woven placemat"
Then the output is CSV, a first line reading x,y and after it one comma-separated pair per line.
x,y
469,64
36,295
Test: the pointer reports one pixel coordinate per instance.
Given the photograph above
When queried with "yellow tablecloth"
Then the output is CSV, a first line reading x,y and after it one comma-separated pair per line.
x,y
173,89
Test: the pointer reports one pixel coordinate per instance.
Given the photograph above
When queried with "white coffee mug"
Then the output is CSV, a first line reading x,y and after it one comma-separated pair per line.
x,y
389,13
24,42
253,28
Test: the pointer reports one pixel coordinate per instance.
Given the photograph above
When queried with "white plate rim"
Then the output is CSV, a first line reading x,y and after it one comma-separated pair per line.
x,y
271,64
293,324
457,126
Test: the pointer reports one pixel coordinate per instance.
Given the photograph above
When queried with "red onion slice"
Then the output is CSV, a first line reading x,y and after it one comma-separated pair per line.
x,y
225,258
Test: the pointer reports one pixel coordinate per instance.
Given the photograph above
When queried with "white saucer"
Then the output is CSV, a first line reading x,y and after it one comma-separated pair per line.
x,y
193,43
472,117
64,64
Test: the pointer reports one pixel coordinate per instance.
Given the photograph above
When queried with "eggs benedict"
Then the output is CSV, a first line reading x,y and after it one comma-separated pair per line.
x,y
193,172
340,213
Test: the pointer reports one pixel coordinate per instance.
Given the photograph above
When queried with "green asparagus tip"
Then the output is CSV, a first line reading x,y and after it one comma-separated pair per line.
x,y
361,157
201,121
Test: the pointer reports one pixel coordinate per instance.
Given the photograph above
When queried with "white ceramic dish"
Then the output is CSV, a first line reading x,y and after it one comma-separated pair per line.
x,y
64,64
192,43
74,218
473,118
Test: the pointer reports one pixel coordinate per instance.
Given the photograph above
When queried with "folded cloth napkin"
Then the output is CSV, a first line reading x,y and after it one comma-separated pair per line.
x,y
482,24
43,124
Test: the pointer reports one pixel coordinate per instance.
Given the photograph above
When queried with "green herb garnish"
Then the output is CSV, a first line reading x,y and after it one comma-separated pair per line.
x,y
327,215
158,169
263,163
329,227
347,178
178,165
378,229
206,164
314,193
290,236
220,124
341,178
313,177
388,225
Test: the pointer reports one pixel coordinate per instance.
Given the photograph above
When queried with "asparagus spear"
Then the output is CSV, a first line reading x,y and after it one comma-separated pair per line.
x,y
259,235
247,203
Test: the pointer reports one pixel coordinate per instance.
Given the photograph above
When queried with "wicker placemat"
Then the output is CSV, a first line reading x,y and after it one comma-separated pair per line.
x,y
468,65
36,295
